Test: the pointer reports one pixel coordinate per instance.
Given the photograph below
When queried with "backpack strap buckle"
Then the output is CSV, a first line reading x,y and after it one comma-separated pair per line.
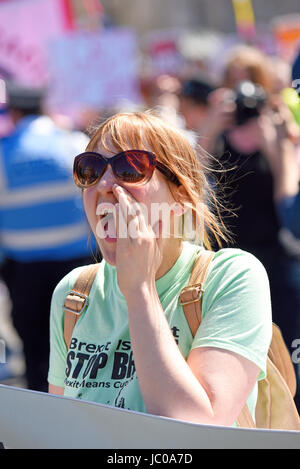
x,y
77,299
75,302
191,294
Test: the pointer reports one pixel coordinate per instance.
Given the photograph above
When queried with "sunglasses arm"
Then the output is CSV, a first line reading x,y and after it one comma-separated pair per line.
x,y
167,173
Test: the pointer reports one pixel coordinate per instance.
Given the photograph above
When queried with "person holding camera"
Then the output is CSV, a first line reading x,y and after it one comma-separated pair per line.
x,y
252,154
281,139
287,169
252,138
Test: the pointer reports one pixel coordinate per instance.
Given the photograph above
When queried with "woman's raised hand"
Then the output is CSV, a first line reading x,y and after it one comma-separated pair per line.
x,y
139,249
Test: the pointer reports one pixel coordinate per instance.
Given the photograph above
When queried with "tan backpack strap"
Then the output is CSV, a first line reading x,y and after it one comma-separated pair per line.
x,y
190,297
245,419
280,356
77,300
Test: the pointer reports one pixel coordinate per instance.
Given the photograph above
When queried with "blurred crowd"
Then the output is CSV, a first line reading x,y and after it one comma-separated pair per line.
x,y
245,125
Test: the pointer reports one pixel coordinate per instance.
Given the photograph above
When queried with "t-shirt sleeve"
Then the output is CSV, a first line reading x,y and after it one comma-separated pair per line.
x,y
236,310
58,348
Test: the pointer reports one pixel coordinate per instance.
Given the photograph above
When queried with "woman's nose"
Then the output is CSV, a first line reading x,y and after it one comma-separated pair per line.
x,y
107,180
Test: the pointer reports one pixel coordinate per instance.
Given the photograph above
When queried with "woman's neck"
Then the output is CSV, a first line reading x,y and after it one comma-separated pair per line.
x,y
171,251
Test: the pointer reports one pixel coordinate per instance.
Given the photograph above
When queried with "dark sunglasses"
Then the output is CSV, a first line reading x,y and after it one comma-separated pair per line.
x,y
129,167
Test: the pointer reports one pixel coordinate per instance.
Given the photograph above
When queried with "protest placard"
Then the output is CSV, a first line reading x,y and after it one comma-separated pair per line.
x,y
25,29
94,69
34,420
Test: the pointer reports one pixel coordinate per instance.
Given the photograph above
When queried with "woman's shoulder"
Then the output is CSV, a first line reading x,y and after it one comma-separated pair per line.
x,y
229,261
236,310
237,274
236,261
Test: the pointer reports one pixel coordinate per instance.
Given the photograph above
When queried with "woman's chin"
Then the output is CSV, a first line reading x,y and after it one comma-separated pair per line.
x,y
108,251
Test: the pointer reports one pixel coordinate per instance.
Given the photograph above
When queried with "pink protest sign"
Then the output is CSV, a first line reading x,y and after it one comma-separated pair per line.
x,y
94,69
163,51
25,30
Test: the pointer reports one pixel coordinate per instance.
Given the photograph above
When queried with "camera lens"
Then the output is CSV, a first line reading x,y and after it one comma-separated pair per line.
x,y
250,98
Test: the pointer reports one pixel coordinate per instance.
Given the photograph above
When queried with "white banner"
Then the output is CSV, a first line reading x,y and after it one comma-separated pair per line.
x,y
34,420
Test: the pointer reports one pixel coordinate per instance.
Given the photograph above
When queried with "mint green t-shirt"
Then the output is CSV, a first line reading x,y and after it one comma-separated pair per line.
x,y
99,365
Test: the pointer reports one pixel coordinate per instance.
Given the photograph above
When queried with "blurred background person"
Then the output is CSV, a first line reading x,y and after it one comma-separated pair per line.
x,y
194,102
289,203
258,138
206,109
289,211
250,131
247,63
43,232
284,160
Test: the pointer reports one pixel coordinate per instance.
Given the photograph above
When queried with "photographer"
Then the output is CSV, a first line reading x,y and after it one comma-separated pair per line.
x,y
288,201
209,110
252,155
280,139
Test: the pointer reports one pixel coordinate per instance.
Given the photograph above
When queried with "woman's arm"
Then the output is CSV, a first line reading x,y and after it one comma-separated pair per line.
x,y
211,387
56,390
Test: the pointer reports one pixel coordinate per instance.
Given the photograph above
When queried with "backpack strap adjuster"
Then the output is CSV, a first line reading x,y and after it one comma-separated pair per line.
x,y
75,302
191,294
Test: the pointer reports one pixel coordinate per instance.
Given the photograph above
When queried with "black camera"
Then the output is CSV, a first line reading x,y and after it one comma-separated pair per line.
x,y
249,99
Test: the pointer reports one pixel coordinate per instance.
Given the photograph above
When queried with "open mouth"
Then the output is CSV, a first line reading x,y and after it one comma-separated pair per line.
x,y
106,226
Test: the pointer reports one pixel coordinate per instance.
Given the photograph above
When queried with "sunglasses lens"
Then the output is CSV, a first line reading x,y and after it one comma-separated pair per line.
x,y
88,169
134,166
130,167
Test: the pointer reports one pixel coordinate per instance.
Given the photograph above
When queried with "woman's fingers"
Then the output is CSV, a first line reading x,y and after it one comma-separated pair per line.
x,y
137,249
134,215
124,218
